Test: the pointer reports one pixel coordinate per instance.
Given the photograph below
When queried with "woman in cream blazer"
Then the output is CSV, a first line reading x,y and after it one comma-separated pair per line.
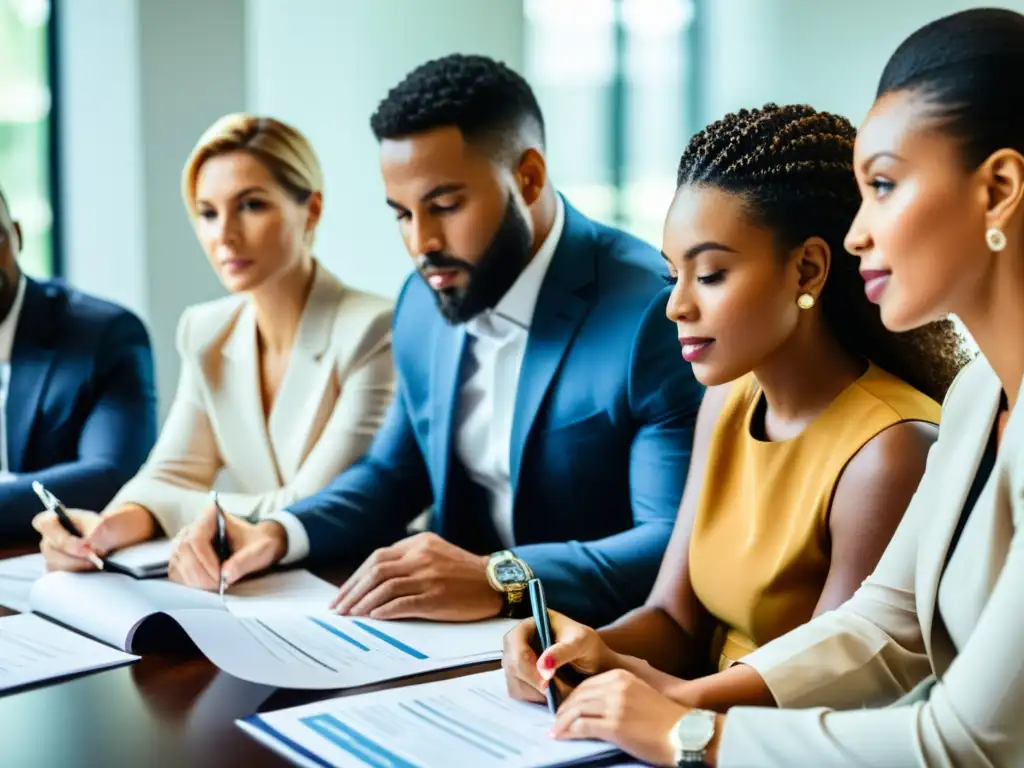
x,y
328,407
924,665
283,384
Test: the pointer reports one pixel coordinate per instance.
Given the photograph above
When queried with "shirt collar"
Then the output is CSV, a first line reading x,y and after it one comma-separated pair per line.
x,y
520,300
10,323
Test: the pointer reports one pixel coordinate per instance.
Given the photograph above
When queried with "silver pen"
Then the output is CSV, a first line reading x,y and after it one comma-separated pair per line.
x,y
222,540
53,504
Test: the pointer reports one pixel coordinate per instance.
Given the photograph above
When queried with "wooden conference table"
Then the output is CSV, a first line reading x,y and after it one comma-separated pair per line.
x,y
171,708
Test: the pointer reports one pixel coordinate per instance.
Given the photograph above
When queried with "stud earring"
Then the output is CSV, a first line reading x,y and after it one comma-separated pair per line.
x,y
995,238
805,301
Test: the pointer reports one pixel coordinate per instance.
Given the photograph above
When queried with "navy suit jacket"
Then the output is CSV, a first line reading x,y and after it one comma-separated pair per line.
x,y
601,439
81,407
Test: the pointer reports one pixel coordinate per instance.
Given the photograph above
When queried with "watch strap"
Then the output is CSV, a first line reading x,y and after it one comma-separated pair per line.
x,y
513,608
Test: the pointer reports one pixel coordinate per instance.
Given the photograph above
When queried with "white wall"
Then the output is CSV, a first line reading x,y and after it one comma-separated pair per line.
x,y
826,54
323,65
192,71
104,227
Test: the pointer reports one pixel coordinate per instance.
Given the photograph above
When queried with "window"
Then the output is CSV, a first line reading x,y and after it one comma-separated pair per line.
x,y
26,128
614,80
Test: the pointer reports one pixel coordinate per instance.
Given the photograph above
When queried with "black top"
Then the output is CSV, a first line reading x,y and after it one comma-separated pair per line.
x,y
985,466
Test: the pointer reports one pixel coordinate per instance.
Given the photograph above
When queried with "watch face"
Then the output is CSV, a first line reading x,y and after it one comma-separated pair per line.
x,y
510,572
694,731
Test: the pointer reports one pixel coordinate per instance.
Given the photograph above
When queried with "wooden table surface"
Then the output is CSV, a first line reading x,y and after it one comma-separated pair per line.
x,y
171,708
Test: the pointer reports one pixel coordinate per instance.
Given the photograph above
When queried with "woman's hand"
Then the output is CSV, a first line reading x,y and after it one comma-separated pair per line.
x,y
577,646
101,534
254,546
621,709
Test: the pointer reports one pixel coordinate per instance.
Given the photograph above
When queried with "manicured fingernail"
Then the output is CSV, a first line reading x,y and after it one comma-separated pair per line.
x,y
548,662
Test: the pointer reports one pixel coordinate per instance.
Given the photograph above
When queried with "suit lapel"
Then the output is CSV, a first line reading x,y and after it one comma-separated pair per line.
x,y
972,427
559,311
450,343
239,405
300,396
31,359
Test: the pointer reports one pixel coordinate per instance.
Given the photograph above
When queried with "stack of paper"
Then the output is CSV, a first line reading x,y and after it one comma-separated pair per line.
x,y
275,630
33,650
466,721
19,574
323,651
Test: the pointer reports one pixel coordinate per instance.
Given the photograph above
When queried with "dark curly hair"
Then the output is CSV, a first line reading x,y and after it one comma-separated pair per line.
x,y
486,100
793,167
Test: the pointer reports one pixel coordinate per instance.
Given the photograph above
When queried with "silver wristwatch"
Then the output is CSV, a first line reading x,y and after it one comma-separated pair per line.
x,y
691,736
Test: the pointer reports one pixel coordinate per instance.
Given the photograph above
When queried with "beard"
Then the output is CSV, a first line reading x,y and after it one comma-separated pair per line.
x,y
498,267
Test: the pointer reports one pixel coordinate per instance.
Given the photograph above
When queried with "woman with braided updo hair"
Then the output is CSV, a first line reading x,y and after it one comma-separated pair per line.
x,y
816,423
927,657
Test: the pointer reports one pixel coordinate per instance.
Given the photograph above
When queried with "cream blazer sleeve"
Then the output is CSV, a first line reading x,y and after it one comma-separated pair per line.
x,y
873,648
174,483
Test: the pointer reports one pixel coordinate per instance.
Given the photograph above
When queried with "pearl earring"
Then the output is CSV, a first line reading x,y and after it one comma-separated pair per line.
x,y
805,301
996,239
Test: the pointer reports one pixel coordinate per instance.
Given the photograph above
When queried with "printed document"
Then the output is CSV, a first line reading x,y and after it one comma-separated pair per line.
x,y
33,649
466,721
274,630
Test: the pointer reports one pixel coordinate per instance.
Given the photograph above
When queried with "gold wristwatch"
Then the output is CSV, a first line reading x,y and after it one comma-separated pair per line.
x,y
509,575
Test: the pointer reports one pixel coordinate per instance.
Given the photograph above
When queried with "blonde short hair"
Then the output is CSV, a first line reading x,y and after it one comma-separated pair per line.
x,y
283,150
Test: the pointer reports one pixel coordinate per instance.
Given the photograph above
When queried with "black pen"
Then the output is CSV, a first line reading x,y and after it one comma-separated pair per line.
x,y
222,539
53,504
544,637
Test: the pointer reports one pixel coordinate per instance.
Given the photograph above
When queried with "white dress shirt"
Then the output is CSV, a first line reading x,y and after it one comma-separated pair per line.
x,y
483,422
7,330
493,358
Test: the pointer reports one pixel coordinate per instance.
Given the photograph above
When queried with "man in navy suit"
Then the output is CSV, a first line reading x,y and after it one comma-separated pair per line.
x,y
77,393
543,406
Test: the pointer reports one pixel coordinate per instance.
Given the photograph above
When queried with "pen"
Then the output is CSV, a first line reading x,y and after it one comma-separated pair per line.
x,y
222,539
53,504
543,622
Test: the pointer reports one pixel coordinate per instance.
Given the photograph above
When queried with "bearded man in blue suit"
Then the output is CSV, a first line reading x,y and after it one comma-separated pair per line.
x,y
543,411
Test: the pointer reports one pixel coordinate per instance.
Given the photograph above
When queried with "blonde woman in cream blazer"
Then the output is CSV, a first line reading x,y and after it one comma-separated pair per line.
x,y
283,383
331,401
924,665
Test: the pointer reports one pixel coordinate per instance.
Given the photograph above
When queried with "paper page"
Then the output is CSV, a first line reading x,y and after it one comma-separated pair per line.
x,y
107,606
323,652
145,558
295,591
33,649
466,721
110,606
17,575
446,640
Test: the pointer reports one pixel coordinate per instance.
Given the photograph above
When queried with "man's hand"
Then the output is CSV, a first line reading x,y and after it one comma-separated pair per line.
x,y
422,577
101,534
254,547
